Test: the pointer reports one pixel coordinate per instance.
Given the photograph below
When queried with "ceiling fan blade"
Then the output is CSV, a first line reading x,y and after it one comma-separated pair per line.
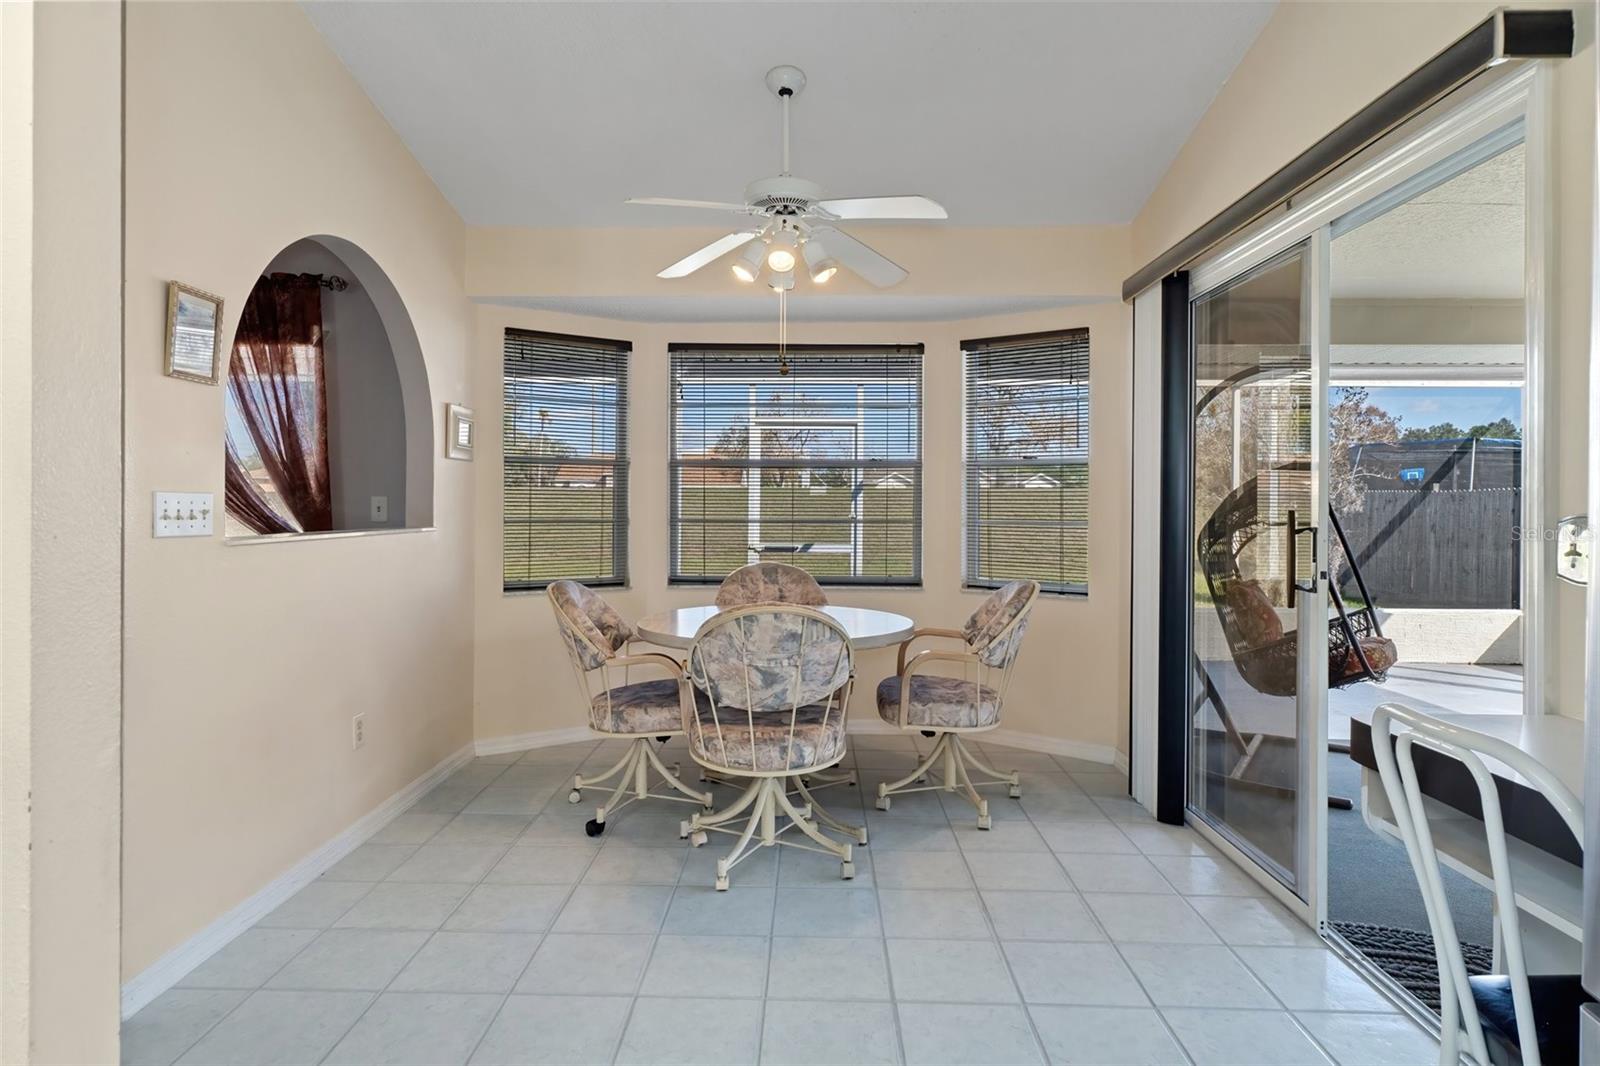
x,y
884,207
667,201
715,250
857,257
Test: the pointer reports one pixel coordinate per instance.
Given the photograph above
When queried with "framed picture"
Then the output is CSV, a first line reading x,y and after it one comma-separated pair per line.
x,y
458,431
194,334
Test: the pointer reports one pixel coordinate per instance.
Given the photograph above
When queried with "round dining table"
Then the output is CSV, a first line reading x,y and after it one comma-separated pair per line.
x,y
867,628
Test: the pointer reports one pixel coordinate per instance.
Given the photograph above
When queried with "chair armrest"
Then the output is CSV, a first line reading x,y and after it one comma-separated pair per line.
x,y
917,663
648,658
920,633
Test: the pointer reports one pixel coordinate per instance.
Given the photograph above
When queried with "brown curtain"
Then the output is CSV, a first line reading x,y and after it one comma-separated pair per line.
x,y
246,503
276,383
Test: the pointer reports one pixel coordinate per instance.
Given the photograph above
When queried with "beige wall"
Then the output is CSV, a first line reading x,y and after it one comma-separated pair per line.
x,y
1314,65
60,475
245,664
1071,683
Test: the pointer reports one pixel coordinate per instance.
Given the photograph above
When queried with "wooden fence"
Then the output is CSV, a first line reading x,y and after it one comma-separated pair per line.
x,y
1448,548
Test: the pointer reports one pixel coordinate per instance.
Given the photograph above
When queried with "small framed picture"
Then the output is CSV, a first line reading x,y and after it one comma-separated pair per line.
x,y
194,334
458,431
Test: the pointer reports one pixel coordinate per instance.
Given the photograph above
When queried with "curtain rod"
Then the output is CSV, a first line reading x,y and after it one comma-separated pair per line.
x,y
1505,35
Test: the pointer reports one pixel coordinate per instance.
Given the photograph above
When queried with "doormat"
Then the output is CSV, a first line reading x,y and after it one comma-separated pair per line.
x,y
1407,956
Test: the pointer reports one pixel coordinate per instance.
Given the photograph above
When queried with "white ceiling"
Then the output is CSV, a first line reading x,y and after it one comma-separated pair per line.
x,y
1462,240
549,114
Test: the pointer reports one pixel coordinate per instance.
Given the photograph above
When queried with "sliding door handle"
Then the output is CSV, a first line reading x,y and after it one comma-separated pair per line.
x,y
1294,584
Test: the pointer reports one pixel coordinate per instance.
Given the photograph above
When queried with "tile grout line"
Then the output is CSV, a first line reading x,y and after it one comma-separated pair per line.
x,y
429,938
262,987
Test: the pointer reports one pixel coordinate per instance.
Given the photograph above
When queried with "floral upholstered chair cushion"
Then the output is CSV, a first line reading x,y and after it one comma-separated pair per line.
x,y
771,685
648,707
770,583
593,629
940,702
763,742
990,633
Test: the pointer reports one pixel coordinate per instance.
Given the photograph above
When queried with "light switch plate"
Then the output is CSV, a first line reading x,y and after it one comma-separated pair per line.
x,y
380,508
183,514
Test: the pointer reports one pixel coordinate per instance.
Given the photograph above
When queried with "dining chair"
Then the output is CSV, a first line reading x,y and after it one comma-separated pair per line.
x,y
596,637
1510,1017
770,583
947,707
764,697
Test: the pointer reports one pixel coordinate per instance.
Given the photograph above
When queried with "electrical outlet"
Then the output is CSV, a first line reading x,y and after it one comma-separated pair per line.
x,y
183,514
380,508
358,731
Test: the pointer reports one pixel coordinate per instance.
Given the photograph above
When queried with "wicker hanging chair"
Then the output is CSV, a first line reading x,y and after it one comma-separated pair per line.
x,y
1264,654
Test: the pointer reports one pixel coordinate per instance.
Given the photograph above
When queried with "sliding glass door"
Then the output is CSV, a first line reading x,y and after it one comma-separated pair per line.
x,y
1258,617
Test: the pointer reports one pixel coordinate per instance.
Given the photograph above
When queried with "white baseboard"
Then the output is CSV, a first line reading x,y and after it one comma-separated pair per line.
x,y
544,738
176,964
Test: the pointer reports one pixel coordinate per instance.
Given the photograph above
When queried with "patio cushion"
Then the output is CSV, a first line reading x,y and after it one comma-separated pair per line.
x,y
818,738
1380,652
936,702
997,612
646,707
586,613
1257,621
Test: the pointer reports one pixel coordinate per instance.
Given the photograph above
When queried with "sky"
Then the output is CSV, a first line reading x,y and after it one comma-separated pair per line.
x,y
1466,406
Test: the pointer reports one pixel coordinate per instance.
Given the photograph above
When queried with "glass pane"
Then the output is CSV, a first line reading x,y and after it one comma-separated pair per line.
x,y
1252,447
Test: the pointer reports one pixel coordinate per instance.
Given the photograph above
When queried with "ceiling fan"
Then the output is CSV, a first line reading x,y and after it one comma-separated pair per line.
x,y
797,221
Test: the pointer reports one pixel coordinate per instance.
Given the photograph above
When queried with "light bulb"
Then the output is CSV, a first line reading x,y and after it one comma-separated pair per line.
x,y
781,255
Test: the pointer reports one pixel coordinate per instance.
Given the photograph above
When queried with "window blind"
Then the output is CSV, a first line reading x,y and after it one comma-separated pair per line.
x,y
814,461
1027,468
565,448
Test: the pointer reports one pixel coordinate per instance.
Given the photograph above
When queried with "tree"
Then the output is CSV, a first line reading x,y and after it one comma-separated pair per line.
x,y
1500,428
1438,431
1353,421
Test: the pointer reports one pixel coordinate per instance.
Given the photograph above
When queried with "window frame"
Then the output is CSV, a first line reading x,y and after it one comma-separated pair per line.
x,y
970,536
605,348
676,464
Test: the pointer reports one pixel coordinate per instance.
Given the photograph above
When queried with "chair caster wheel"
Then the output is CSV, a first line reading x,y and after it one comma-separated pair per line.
x,y
677,771
847,871
883,803
983,821
722,884
1015,792
594,828
574,796
861,836
697,840
683,830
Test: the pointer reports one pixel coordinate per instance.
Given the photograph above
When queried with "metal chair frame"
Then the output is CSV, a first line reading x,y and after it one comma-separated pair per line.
x,y
1398,772
955,760
767,795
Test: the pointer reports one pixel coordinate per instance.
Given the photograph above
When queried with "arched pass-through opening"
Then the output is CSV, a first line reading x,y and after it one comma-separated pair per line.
x,y
328,416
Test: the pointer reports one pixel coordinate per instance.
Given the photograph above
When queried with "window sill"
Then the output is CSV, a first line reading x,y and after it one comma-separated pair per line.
x,y
339,534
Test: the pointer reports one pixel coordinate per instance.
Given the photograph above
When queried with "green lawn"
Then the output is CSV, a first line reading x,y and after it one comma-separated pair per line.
x,y
570,529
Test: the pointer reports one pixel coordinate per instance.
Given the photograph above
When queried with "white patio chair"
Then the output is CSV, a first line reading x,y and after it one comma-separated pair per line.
x,y
1508,1017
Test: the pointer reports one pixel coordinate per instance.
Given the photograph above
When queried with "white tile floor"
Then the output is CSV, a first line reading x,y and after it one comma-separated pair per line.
x,y
484,926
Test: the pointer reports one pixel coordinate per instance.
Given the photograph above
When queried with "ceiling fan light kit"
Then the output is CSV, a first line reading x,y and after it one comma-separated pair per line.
x,y
794,218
